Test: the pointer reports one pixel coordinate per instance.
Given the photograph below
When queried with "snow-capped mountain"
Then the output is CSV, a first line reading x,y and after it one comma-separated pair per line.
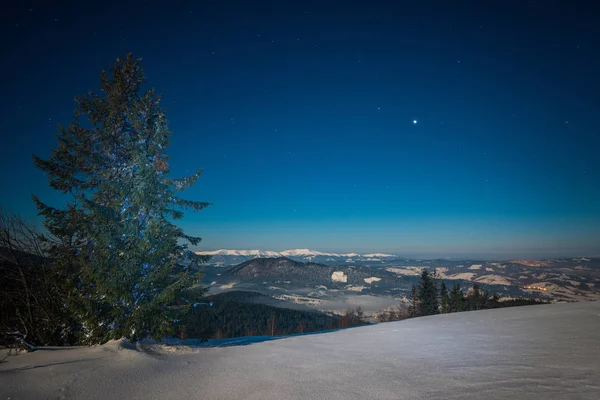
x,y
241,253
304,252
231,257
379,255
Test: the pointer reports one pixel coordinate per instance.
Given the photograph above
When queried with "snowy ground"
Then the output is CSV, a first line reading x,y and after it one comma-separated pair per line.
x,y
536,352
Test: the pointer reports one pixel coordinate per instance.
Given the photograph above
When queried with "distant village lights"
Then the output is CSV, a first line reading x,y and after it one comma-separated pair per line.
x,y
535,288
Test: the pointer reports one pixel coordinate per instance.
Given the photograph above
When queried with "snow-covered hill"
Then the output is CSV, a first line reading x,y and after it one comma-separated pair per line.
x,y
536,352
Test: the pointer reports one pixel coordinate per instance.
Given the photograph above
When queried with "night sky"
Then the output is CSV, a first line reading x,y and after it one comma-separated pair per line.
x,y
303,114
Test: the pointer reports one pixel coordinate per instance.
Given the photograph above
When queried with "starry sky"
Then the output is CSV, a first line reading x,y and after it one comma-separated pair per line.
x,y
426,129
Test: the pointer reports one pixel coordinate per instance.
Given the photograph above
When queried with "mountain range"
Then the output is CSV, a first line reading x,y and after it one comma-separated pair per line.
x,y
330,283
234,257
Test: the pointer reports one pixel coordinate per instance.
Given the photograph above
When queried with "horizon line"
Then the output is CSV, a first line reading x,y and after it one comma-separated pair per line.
x,y
466,256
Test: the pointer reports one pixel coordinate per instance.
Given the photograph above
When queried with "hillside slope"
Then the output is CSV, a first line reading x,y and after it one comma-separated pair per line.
x,y
282,268
548,351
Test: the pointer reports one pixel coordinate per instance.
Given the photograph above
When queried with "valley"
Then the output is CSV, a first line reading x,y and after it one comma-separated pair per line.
x,y
333,283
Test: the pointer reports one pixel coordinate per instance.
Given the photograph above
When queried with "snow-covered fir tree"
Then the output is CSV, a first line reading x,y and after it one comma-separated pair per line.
x,y
128,262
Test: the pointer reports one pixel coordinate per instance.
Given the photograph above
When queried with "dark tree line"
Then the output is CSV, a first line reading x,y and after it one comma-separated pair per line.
x,y
235,319
431,296
232,315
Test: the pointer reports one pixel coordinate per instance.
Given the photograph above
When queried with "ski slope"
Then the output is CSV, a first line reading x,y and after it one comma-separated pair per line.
x,y
536,352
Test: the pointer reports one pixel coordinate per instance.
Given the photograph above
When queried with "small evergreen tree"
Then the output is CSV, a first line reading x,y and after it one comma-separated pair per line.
x,y
494,301
345,320
477,298
444,299
456,299
414,303
360,316
271,323
427,293
127,262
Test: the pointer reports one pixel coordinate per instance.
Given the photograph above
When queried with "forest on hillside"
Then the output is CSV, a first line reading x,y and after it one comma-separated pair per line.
x,y
240,313
431,296
236,313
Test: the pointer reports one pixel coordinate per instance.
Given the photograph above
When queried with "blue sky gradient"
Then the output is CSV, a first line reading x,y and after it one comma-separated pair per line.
x,y
301,114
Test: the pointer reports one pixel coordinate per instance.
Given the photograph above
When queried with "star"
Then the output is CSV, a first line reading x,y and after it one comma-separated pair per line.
x,y
414,121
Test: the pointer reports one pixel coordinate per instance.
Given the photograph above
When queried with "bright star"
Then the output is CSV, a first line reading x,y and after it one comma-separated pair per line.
x,y
414,121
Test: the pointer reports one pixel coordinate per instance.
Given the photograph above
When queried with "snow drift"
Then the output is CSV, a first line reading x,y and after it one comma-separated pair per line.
x,y
549,352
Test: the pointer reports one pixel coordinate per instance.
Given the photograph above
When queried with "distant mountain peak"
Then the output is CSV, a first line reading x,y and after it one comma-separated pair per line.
x,y
378,255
